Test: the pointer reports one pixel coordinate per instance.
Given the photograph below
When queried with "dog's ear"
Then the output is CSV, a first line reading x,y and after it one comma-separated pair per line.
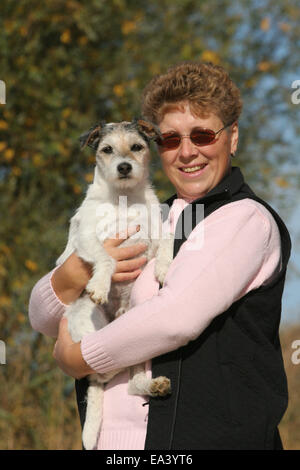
x,y
91,138
148,129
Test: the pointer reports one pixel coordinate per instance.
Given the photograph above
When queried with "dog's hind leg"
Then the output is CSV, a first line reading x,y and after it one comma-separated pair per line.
x,y
140,384
93,418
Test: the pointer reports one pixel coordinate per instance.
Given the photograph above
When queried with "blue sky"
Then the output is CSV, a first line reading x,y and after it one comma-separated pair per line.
x,y
291,295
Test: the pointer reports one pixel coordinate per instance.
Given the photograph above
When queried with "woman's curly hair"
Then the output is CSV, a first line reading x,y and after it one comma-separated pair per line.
x,y
205,86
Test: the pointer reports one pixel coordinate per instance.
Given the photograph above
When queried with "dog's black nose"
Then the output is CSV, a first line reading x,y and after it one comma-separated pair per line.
x,y
124,168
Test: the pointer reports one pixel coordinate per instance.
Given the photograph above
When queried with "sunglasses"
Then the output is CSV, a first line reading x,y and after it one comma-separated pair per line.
x,y
199,136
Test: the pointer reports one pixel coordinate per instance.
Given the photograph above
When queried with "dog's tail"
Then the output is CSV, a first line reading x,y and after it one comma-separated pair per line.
x,y
93,418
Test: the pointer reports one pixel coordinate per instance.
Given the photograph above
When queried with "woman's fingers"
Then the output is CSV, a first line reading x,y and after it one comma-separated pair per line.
x,y
119,253
127,252
129,261
128,270
129,276
130,264
120,237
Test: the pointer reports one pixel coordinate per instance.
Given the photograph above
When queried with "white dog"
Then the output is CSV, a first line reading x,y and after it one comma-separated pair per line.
x,y
119,197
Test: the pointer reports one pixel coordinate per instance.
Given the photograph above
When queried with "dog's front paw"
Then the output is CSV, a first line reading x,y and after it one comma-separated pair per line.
x,y
160,386
164,258
161,272
97,291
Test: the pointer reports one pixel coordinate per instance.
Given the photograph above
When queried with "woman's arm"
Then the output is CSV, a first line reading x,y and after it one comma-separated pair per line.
x,y
70,278
45,309
63,285
241,251
52,294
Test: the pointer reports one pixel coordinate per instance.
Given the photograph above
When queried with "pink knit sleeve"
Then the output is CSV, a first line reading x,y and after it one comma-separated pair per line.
x,y
240,251
45,308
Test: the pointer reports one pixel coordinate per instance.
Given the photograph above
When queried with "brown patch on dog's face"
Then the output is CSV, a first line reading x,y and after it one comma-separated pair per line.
x,y
134,146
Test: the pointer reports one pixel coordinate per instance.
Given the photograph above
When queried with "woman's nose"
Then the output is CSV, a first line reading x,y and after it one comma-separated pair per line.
x,y
187,148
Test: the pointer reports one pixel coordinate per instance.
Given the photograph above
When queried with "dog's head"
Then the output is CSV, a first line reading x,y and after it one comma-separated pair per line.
x,y
92,137
122,150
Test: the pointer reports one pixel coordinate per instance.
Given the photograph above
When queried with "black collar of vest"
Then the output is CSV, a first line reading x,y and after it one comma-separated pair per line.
x,y
227,187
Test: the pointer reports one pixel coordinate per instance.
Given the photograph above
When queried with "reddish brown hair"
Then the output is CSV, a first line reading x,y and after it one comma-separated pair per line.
x,y
205,86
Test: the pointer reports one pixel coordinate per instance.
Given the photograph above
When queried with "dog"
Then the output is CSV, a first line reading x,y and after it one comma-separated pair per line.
x,y
121,175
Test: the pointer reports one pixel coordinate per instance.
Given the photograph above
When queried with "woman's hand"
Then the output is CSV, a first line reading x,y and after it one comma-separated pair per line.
x,y
127,269
70,279
68,354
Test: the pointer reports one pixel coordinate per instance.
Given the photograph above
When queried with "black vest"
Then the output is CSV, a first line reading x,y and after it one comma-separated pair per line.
x,y
229,388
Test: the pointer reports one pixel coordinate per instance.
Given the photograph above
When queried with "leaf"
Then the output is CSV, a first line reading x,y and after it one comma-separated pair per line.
x,y
282,182
119,90
9,154
265,24
285,27
31,265
264,66
128,27
66,37
210,56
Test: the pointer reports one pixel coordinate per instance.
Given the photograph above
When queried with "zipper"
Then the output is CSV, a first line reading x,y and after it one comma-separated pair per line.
x,y
176,401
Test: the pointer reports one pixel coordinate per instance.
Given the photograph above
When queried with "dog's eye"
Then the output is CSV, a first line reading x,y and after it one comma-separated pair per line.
x,y
107,149
136,147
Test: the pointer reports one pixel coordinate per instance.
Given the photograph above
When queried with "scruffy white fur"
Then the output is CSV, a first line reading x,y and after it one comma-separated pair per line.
x,y
100,216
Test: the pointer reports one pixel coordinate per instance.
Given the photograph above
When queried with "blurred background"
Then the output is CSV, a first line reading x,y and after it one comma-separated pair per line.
x,y
68,64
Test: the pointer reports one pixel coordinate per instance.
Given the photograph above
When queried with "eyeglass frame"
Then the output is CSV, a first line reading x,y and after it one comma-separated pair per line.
x,y
189,135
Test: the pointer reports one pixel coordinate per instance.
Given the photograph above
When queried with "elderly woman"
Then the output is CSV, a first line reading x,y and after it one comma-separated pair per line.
x,y
213,327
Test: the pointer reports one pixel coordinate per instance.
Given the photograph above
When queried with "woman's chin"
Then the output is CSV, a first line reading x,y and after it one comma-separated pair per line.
x,y
192,190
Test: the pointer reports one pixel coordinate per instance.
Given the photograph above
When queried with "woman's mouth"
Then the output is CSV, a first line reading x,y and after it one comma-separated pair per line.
x,y
193,170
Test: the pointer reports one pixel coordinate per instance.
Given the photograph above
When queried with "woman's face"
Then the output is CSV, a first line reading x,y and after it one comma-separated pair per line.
x,y
216,157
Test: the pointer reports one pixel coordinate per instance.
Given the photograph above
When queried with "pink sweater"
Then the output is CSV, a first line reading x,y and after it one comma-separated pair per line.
x,y
240,251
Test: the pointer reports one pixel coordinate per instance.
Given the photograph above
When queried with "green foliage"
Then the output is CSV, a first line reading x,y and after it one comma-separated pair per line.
x,y
69,64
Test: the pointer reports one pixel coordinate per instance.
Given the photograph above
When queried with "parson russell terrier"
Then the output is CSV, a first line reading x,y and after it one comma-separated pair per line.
x,y
120,198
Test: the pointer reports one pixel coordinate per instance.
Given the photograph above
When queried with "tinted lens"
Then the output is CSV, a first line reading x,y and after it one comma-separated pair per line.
x,y
202,136
198,137
169,141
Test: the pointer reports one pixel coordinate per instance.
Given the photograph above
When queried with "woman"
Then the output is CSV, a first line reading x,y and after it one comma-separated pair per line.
x,y
213,327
